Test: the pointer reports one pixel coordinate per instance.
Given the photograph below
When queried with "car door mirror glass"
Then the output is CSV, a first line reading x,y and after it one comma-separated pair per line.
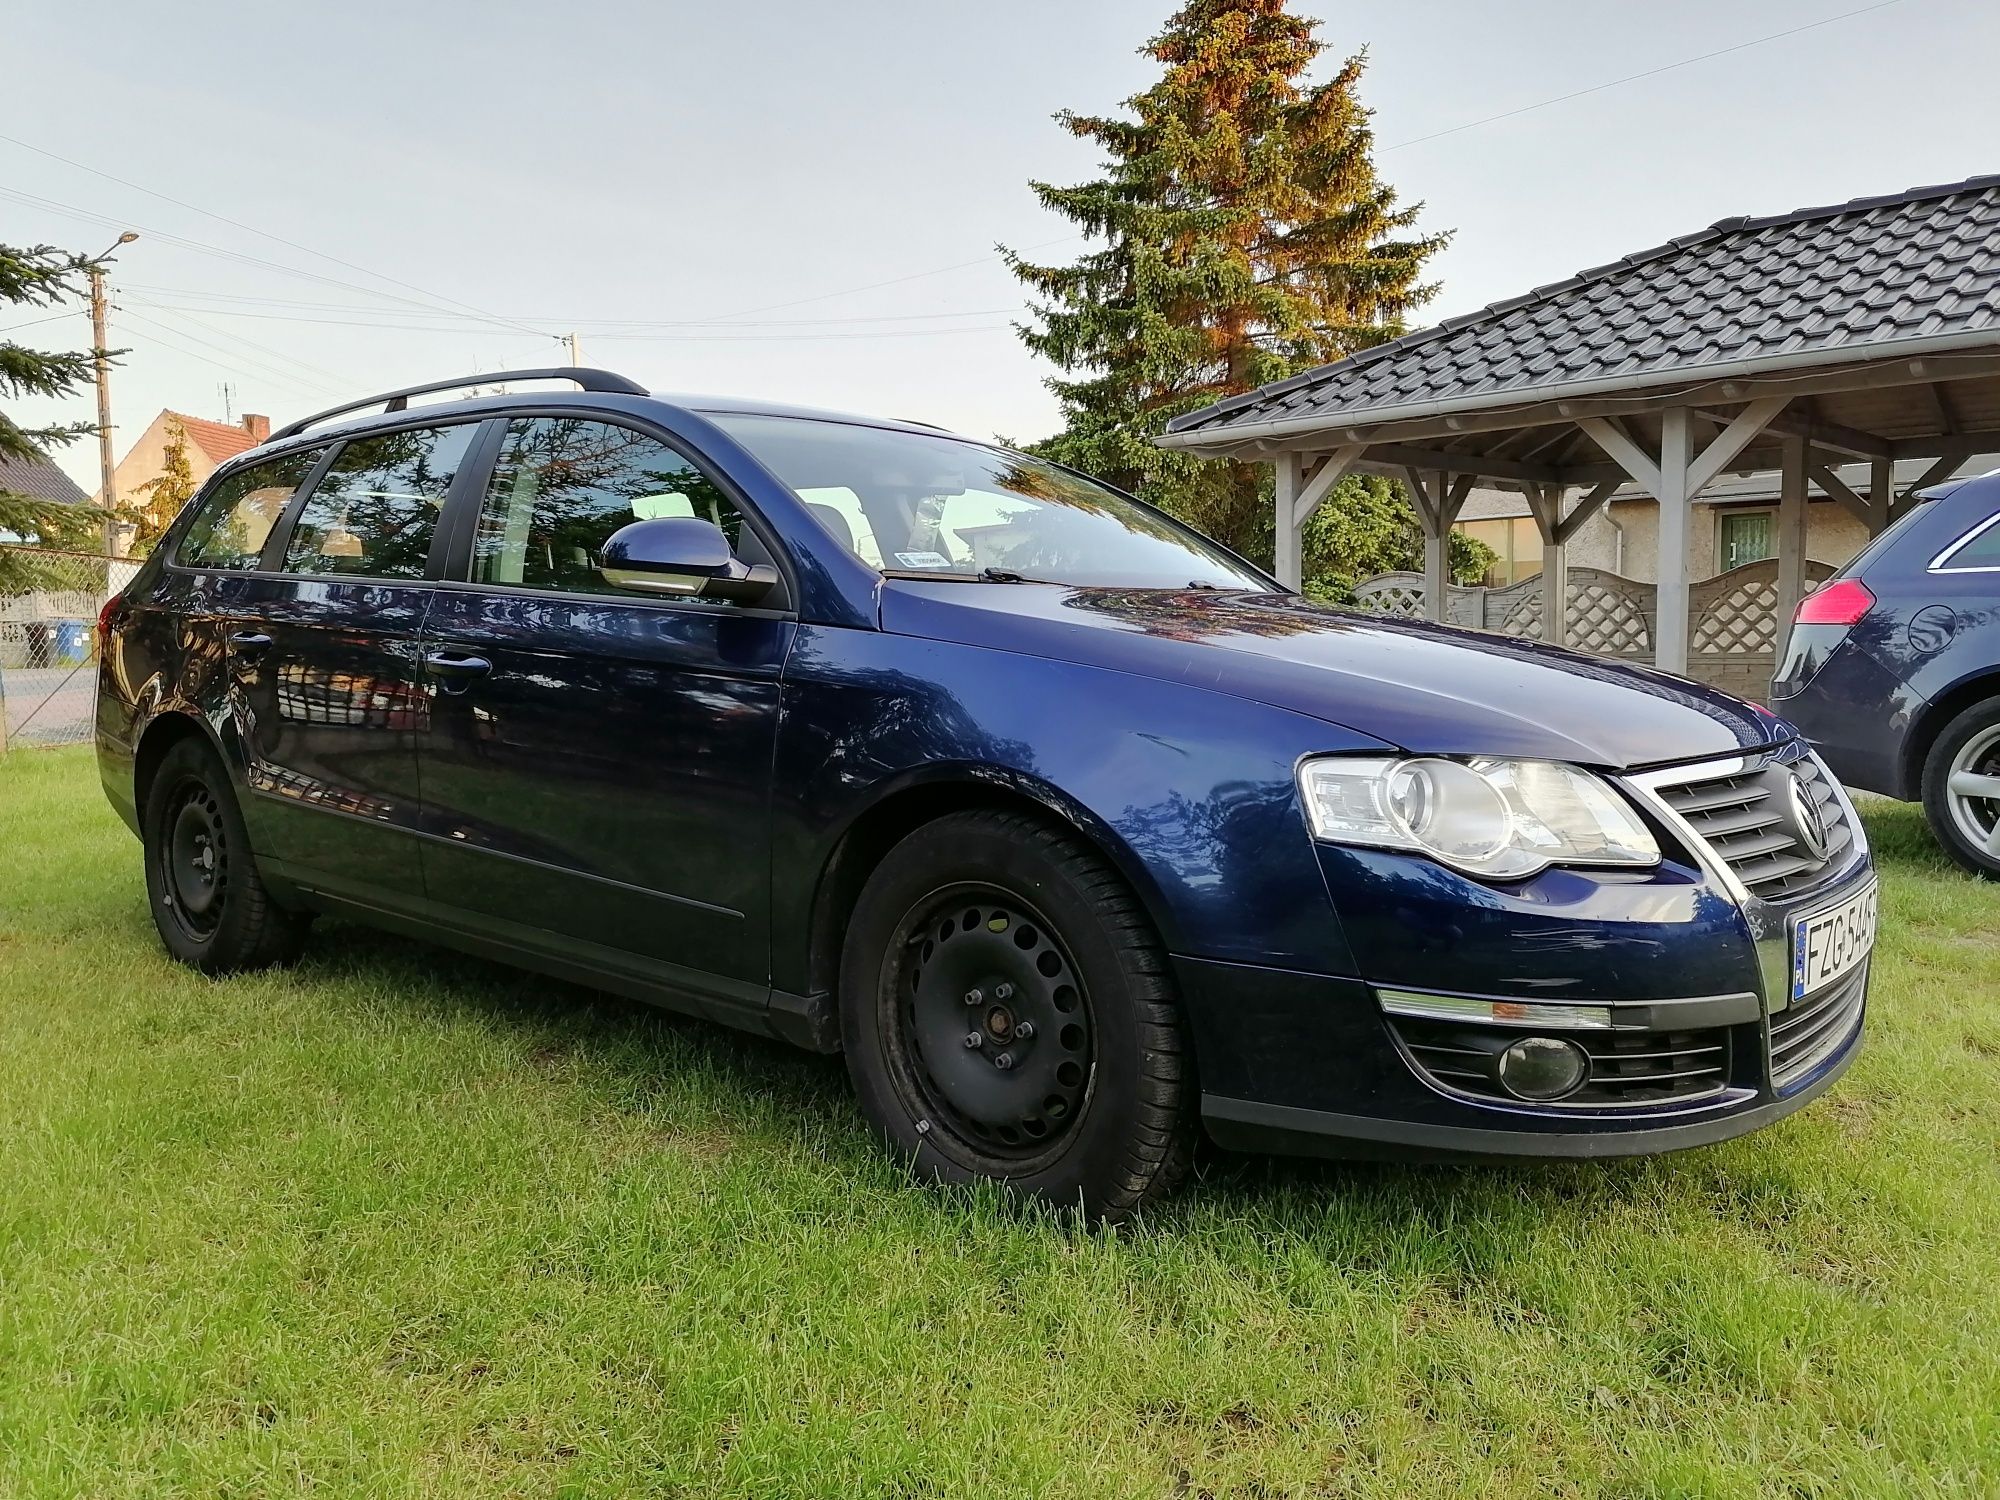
x,y
683,557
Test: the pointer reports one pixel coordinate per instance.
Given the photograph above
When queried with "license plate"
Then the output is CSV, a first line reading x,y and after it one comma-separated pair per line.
x,y
1831,943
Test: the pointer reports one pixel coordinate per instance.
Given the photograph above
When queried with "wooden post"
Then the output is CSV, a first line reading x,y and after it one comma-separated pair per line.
x,y
1287,564
1792,512
1881,494
1545,504
1670,631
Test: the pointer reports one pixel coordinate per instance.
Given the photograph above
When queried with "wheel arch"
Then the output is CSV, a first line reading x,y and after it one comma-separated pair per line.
x,y
1939,712
164,731
891,818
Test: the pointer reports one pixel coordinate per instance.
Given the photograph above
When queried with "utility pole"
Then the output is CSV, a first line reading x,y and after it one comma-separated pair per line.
x,y
575,350
100,341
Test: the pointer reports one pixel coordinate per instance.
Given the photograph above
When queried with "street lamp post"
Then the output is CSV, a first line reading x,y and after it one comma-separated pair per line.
x,y
100,341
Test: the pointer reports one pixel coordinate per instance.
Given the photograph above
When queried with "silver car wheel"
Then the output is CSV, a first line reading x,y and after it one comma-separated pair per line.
x,y
1974,791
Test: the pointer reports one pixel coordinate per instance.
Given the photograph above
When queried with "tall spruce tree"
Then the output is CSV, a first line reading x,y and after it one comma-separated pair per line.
x,y
40,276
1246,237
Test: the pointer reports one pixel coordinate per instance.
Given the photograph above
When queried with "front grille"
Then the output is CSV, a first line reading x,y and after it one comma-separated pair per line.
x,y
1626,1067
1810,1030
1743,810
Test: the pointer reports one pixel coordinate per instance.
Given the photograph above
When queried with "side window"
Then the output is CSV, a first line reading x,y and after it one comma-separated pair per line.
x,y
1980,548
564,484
374,512
234,522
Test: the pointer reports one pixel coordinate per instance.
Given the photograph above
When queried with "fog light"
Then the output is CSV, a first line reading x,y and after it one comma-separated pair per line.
x,y
1543,1068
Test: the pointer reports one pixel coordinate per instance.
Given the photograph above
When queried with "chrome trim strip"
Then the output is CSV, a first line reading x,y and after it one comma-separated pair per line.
x,y
1627,1016
1937,564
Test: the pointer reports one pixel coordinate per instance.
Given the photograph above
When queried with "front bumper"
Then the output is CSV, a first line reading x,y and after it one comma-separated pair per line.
x,y
1312,1064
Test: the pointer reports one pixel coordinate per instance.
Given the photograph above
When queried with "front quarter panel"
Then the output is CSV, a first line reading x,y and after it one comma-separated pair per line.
x,y
1189,790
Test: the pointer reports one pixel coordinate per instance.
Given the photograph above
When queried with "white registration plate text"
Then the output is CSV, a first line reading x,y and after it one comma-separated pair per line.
x,y
1829,944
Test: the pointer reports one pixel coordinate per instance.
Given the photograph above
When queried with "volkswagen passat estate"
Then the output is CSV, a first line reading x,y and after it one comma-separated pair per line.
x,y
1075,833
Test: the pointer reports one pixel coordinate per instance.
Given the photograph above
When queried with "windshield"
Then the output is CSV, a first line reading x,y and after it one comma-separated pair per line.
x,y
908,503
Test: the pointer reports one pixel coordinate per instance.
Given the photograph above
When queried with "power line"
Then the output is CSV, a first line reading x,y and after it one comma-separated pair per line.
x,y
291,359
247,228
257,366
1598,88
337,307
698,337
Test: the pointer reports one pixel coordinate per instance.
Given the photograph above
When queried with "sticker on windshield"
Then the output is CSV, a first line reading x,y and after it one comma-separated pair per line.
x,y
926,562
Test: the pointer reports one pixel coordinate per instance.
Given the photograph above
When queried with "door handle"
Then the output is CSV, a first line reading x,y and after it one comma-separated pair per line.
x,y
249,640
455,668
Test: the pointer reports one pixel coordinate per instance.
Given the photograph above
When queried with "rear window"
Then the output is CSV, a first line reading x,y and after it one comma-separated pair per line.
x,y
235,521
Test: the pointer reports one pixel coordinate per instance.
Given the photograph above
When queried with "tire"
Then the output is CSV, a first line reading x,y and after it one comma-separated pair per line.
x,y
209,903
1965,754
971,926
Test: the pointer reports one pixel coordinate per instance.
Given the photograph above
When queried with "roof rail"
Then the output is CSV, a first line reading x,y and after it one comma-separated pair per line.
x,y
589,379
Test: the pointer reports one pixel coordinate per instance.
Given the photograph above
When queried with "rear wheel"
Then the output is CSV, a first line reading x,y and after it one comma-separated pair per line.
x,y
209,903
1962,788
1007,1015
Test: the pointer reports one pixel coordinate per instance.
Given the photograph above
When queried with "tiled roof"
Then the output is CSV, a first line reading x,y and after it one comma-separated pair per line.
x,y
217,439
1924,264
41,479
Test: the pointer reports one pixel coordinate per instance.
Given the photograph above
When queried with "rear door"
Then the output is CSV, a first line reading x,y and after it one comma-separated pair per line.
x,y
597,762
333,662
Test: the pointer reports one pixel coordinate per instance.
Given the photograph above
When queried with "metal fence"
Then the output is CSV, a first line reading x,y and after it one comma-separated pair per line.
x,y
48,647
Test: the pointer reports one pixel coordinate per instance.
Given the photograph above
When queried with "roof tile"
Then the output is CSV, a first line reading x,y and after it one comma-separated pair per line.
x,y
1849,275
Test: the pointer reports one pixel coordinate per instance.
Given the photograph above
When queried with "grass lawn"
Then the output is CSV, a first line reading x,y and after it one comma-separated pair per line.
x,y
402,1224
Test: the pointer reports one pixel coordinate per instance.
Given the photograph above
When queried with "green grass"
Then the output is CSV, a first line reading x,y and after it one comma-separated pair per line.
x,y
399,1223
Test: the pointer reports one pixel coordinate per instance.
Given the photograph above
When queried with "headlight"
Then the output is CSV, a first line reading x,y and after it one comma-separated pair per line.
x,y
1501,819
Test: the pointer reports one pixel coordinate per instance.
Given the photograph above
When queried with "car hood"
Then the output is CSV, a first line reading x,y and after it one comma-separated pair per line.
x,y
1424,688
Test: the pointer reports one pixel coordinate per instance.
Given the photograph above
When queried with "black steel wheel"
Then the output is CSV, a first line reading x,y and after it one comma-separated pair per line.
x,y
209,902
991,1022
1007,1015
195,858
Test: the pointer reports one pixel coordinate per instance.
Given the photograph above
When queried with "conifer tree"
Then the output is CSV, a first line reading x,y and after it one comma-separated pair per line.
x,y
165,495
1246,236
39,276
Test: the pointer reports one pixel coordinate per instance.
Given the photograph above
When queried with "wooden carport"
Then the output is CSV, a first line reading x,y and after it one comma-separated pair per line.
x,y
1863,331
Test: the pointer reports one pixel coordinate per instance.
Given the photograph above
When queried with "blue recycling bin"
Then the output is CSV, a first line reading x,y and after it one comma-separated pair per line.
x,y
72,643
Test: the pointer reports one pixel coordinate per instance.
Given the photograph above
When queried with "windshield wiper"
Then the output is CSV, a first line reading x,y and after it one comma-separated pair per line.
x,y
1001,575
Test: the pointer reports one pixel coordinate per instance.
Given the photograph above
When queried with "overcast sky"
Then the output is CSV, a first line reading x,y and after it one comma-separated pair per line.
x,y
764,198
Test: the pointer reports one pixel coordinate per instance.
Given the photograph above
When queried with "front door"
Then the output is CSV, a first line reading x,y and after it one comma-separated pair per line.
x,y
596,765
339,701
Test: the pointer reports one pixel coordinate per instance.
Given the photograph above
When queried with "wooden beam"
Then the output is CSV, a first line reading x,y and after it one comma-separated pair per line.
x,y
1941,412
1742,430
1881,494
1404,456
1609,434
1290,480
1834,487
1330,471
1849,440
1962,445
1792,512
1937,473
1587,507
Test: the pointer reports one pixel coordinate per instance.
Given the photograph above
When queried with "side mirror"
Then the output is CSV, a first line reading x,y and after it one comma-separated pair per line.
x,y
684,557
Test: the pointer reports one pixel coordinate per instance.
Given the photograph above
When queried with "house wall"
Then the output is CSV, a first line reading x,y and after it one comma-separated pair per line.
x,y
1833,534
146,458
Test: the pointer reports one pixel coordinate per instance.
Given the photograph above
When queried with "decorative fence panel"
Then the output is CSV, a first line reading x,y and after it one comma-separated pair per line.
x,y
48,646
1732,618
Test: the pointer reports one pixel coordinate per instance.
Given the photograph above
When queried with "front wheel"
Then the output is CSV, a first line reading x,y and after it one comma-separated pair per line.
x,y
1962,788
209,903
1008,1015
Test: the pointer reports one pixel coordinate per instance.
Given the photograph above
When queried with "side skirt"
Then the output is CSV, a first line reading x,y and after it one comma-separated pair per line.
x,y
808,1021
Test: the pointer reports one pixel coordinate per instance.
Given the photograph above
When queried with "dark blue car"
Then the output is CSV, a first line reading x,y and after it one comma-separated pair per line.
x,y
1893,668
1074,832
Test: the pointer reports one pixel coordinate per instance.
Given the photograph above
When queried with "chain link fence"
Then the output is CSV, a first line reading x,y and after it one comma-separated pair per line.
x,y
48,643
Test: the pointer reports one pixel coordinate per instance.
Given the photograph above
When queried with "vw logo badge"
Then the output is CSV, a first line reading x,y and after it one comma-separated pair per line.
x,y
1807,820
